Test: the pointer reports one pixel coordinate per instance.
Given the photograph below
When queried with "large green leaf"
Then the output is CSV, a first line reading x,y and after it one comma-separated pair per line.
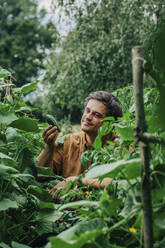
x,y
23,177
44,171
130,167
44,227
105,129
41,193
45,219
29,87
51,215
4,170
131,207
46,205
12,135
7,117
90,225
158,194
2,155
154,123
109,204
7,203
84,160
7,160
126,132
26,161
25,124
69,233
88,237
78,204
82,227
160,222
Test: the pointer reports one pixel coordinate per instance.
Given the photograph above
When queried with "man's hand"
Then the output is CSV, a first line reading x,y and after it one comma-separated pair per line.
x,y
50,135
94,183
46,156
62,184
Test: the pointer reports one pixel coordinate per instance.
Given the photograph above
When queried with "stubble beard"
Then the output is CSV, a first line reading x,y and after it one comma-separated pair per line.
x,y
89,131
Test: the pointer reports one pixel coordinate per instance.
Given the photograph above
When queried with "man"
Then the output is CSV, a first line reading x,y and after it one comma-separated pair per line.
x,y
65,159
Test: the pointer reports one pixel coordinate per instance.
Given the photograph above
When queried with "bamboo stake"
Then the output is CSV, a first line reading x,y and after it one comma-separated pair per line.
x,y
137,63
153,138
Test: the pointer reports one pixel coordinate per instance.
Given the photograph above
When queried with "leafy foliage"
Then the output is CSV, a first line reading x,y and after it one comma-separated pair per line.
x,y
23,201
156,66
23,38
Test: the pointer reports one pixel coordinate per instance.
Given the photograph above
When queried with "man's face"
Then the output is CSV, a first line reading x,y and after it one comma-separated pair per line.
x,y
93,115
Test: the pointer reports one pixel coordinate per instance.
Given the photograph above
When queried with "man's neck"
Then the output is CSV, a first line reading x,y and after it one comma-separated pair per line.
x,y
90,138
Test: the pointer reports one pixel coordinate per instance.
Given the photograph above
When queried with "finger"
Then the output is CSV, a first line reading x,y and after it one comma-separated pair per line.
x,y
51,138
57,197
48,130
59,185
50,135
52,191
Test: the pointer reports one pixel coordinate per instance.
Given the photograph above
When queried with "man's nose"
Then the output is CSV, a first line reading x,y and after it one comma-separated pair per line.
x,y
89,116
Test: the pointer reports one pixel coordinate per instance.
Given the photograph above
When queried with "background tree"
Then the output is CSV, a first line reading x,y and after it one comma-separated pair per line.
x,y
96,54
24,40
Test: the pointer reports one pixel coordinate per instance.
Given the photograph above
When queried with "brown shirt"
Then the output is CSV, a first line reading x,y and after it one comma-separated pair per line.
x,y
66,158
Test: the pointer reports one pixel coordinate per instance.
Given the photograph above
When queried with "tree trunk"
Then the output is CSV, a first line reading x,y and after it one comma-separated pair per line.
x,y
137,63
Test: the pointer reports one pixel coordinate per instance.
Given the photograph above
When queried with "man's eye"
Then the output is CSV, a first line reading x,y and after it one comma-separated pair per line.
x,y
97,115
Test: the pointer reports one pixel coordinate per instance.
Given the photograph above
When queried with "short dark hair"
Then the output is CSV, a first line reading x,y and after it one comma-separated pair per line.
x,y
109,100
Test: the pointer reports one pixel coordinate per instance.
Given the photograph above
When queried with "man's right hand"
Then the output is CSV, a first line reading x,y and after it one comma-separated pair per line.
x,y
50,135
46,156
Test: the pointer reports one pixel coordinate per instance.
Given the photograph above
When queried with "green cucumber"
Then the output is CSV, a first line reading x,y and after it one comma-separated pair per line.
x,y
52,121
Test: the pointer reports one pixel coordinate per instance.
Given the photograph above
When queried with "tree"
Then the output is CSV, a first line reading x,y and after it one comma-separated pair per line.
x,y
96,54
24,40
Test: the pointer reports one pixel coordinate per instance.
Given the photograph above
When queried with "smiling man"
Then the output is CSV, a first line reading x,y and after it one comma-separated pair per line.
x,y
64,159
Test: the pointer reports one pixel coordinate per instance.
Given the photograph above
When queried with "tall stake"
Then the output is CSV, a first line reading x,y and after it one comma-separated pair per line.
x,y
137,63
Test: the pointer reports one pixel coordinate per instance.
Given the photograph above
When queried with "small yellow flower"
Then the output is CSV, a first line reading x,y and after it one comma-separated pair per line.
x,y
132,229
86,193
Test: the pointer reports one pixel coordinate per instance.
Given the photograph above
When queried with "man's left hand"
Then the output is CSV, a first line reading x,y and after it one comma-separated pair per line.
x,y
62,184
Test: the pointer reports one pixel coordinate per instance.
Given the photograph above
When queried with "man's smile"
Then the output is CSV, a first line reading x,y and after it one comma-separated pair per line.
x,y
86,123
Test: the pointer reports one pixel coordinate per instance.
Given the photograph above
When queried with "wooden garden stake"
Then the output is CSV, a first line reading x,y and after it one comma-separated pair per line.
x,y
137,66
